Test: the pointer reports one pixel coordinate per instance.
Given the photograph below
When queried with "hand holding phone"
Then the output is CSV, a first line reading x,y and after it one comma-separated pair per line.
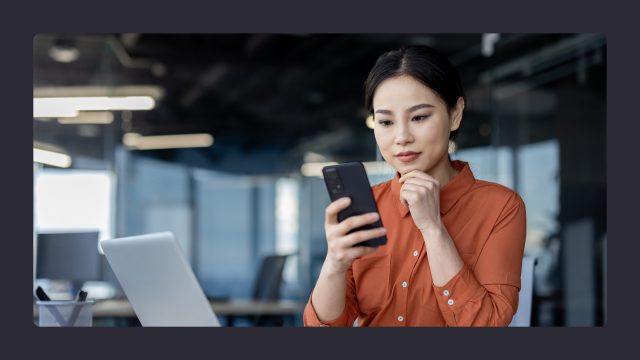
x,y
352,224
350,180
343,244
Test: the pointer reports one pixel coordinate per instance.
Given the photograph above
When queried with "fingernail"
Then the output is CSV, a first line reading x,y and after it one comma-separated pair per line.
x,y
383,230
346,200
374,215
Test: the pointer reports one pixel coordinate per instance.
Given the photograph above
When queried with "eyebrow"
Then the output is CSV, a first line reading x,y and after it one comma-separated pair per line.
x,y
411,109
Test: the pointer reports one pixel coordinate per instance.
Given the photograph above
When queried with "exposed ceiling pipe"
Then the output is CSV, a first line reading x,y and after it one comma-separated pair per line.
x,y
157,68
129,40
211,76
475,51
545,58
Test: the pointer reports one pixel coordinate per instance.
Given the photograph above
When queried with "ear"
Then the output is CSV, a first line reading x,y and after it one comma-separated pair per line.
x,y
456,116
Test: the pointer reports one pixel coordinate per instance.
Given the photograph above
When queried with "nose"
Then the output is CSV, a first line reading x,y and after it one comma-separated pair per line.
x,y
403,136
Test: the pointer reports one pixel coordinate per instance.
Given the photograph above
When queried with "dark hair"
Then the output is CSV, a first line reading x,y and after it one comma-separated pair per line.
x,y
422,63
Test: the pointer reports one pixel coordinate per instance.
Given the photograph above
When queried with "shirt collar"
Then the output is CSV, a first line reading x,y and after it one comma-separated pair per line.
x,y
449,194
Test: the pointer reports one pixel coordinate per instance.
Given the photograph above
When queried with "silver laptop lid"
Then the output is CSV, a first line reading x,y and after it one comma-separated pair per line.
x,y
158,281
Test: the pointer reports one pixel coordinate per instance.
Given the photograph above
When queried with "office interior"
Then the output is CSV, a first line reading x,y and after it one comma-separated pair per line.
x,y
220,139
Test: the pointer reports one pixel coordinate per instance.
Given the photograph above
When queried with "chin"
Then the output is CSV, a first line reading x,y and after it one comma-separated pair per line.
x,y
406,168
425,168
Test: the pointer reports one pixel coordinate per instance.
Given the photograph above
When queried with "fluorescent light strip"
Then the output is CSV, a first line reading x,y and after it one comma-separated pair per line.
x,y
69,106
138,142
155,92
52,110
371,167
51,158
94,117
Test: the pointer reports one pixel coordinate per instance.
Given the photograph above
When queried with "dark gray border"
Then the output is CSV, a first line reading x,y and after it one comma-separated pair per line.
x,y
21,337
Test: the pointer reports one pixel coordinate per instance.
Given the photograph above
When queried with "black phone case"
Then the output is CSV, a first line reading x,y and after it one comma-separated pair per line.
x,y
355,185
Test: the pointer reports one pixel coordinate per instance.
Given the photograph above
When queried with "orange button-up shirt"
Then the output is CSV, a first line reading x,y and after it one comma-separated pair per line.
x,y
393,286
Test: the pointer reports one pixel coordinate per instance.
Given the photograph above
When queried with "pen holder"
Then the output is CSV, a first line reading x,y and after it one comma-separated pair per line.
x,y
70,313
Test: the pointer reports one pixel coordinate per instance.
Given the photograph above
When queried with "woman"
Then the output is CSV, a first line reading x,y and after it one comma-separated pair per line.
x,y
455,243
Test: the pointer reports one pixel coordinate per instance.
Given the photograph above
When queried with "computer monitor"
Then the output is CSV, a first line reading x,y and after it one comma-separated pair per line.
x,y
71,256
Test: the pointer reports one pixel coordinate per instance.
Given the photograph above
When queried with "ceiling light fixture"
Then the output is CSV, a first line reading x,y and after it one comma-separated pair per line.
x,y
70,106
51,158
64,51
92,117
136,141
156,92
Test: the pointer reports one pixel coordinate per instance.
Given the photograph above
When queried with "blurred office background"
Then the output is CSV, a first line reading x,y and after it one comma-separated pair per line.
x,y
259,114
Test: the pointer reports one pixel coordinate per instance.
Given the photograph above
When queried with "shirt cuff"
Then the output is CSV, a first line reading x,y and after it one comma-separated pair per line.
x,y
310,317
456,292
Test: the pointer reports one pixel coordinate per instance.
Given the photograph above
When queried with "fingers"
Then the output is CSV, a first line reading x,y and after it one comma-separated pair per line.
x,y
331,212
421,182
340,247
410,194
335,230
415,184
338,234
417,188
417,174
357,237
413,189
354,222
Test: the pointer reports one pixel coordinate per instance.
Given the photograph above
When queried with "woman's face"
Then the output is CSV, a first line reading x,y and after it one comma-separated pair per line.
x,y
412,124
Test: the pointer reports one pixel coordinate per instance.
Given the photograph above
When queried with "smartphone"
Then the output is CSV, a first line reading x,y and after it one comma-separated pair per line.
x,y
350,180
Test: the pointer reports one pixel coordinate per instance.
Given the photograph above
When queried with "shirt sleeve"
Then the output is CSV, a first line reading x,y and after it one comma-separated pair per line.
x,y
488,294
348,315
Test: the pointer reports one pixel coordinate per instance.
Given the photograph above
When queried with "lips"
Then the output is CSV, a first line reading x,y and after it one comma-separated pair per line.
x,y
407,156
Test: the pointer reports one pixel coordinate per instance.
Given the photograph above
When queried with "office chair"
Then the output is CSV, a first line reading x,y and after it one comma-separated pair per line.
x,y
522,317
269,278
267,287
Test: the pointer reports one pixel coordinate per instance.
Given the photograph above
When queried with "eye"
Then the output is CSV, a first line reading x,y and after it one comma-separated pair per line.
x,y
384,122
420,117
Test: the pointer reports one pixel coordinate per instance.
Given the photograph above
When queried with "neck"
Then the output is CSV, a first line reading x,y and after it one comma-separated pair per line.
x,y
443,171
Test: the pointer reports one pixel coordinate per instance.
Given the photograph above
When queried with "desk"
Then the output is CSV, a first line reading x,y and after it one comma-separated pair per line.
x,y
121,308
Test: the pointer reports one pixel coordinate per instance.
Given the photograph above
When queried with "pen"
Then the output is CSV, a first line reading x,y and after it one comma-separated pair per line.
x,y
81,297
42,296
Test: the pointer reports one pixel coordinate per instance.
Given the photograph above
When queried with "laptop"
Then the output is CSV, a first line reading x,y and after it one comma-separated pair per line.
x,y
158,281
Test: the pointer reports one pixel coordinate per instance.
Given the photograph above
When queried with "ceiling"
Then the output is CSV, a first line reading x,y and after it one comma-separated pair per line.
x,y
268,99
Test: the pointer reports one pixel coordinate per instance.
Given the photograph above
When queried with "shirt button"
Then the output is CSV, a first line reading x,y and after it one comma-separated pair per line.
x,y
400,318
404,284
415,253
445,293
450,301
